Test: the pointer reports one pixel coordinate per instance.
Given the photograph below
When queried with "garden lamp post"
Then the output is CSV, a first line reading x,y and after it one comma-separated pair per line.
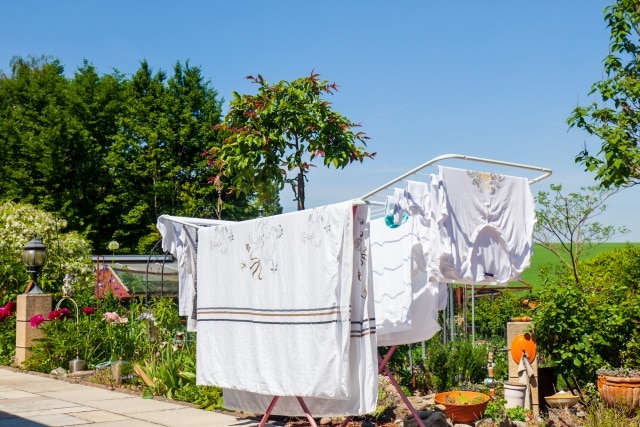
x,y
34,257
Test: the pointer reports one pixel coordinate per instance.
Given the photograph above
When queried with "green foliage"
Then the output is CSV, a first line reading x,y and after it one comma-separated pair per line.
x,y
614,118
110,153
97,339
493,313
593,324
68,252
445,365
283,128
565,224
517,413
495,409
174,376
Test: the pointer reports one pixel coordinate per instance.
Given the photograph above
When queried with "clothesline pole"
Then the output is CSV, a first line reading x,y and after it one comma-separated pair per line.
x,y
473,313
451,311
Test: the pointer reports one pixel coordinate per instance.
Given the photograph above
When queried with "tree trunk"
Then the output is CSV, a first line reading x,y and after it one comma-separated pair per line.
x,y
300,191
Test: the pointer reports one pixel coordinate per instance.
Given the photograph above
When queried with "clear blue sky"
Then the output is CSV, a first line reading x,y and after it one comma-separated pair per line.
x,y
494,79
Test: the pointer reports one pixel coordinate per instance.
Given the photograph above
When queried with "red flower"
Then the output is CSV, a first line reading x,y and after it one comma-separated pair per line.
x,y
4,313
63,313
88,310
36,320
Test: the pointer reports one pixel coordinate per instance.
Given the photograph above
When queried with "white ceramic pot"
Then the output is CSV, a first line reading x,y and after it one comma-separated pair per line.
x,y
514,395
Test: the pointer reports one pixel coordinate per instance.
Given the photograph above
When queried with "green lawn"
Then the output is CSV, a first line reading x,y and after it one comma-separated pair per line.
x,y
542,257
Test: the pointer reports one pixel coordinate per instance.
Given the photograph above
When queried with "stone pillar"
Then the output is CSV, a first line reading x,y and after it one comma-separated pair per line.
x,y
513,330
27,306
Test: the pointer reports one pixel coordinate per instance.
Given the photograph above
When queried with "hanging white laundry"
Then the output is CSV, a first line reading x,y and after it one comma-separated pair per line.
x,y
282,306
395,209
362,356
391,260
486,226
425,298
406,302
417,200
179,238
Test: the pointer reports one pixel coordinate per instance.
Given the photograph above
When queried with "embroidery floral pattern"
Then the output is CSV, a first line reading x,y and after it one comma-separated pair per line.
x,y
261,248
222,238
319,225
485,180
360,248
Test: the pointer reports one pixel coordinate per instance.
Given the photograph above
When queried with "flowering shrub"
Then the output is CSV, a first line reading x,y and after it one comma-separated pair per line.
x,y
60,314
104,331
7,332
67,252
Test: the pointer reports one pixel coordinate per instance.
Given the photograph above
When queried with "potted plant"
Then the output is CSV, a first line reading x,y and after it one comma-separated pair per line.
x,y
463,406
621,386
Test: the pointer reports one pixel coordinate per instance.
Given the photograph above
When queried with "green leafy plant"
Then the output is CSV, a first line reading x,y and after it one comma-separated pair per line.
x,y
517,413
172,372
445,366
495,409
586,326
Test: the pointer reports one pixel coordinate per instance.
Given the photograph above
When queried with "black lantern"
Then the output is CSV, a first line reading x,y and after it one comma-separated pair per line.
x,y
34,258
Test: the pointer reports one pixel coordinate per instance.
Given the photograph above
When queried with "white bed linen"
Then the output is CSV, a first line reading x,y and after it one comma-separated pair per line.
x,y
277,301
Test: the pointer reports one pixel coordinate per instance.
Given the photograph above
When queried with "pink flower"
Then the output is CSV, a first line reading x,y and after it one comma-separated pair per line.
x,y
36,320
53,314
4,313
111,316
88,310
11,305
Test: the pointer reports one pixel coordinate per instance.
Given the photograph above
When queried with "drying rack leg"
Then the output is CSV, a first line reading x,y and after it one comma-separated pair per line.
x,y
266,415
307,413
405,399
382,366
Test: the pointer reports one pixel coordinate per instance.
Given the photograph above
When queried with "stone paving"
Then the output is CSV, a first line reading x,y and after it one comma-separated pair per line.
x,y
35,400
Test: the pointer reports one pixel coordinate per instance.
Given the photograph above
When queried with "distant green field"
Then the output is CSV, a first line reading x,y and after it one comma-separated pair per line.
x,y
542,257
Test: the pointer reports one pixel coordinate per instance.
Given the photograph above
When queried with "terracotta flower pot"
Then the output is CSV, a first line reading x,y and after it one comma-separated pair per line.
x,y
463,407
621,392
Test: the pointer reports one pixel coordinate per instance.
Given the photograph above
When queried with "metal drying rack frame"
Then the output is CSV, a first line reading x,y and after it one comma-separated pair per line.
x,y
545,173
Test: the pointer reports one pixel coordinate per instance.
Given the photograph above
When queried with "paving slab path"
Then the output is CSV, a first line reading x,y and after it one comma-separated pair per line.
x,y
33,400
